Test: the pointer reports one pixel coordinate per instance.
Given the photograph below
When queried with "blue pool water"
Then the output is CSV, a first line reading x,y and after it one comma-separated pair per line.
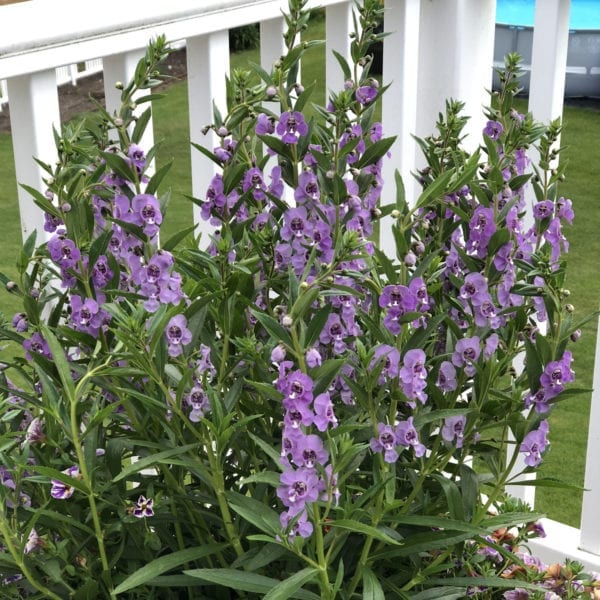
x,y
585,14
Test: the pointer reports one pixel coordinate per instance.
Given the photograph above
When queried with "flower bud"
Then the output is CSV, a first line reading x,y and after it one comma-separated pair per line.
x,y
65,207
569,308
575,335
119,85
118,122
271,91
11,286
287,321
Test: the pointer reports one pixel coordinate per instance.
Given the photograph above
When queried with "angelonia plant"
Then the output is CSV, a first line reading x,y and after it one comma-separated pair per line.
x,y
278,409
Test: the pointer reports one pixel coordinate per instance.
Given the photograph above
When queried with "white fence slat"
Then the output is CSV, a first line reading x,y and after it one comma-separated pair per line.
x,y
399,103
590,523
207,66
34,112
272,45
338,25
121,68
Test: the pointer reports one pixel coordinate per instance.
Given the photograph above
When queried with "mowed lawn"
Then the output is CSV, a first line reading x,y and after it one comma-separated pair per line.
x,y
569,422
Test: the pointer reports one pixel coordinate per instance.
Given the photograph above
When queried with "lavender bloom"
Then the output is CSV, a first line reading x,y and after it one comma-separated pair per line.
x,y
52,223
386,442
413,375
308,188
63,491
278,354
454,427
199,403
565,210
466,352
475,289
534,444
390,357
146,213
324,415
297,413
355,133
296,224
516,594
33,542
302,527
543,209
63,251
493,129
309,452
144,507
215,201
297,386
38,345
265,124
334,333
491,345
20,322
556,374
446,380
225,152
137,158
101,272
313,358
298,488
87,316
365,94
291,126
178,335
35,432
407,436
254,180
204,367
481,229
554,236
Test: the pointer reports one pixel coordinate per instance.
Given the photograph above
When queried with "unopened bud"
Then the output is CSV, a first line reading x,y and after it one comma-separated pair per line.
x,y
118,122
65,207
11,286
569,308
271,91
119,85
575,335
287,321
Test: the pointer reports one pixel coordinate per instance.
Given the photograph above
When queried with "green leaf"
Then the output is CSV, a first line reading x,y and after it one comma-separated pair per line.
x,y
358,527
316,325
292,584
440,593
166,563
60,361
148,461
157,178
374,152
245,582
255,512
372,589
491,582
274,328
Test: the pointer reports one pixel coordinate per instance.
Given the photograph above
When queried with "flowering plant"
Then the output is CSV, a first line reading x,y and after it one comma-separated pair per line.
x,y
283,411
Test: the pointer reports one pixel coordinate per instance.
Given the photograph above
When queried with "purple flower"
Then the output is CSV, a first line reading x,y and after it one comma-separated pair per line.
x,y
33,542
308,188
38,345
407,436
298,488
63,251
291,126
334,333
146,213
265,124
389,357
297,386
52,223
481,229
466,352
87,316
446,380
324,415
543,209
254,180
178,335
309,452
297,413
199,403
20,322
516,594
296,224
35,432
493,129
534,444
556,374
136,156
413,375
565,210
63,491
386,442
302,526
398,296
101,272
365,94
454,427
144,507
554,236
475,289
313,358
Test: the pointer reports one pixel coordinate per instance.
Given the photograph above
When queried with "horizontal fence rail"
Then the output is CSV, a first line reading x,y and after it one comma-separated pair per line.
x,y
417,62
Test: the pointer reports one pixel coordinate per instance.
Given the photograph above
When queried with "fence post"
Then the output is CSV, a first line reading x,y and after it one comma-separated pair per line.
x,y
338,25
121,68
399,103
207,67
34,111
590,523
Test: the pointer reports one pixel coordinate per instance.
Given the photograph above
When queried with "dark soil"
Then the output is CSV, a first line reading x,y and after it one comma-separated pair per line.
x,y
76,99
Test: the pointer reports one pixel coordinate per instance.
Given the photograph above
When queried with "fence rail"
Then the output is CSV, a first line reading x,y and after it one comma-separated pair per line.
x,y
417,61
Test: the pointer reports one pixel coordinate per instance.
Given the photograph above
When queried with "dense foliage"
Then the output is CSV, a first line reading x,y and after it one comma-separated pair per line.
x,y
281,410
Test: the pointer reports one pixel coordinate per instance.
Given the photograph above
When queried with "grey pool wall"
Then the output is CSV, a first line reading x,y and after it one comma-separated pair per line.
x,y
583,58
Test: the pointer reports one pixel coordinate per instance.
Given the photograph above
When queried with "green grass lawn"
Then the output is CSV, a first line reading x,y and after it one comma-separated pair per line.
x,y
581,136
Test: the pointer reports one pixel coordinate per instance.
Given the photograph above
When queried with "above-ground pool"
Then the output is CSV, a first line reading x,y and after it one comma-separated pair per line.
x,y
514,33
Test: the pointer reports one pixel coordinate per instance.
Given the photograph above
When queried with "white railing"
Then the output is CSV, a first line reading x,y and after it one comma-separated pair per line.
x,y
437,49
